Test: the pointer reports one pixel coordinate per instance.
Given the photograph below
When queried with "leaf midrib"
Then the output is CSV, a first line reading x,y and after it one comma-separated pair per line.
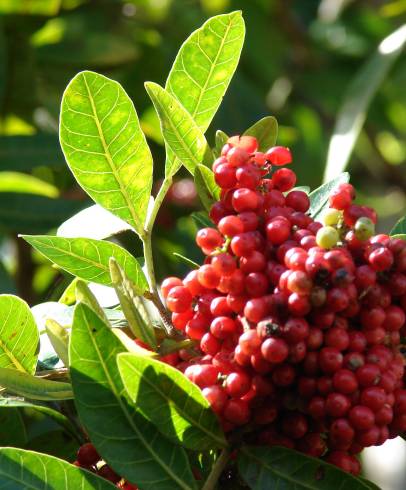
x,y
171,402
127,415
134,215
12,358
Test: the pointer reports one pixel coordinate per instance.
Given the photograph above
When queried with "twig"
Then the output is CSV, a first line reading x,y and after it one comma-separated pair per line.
x,y
217,469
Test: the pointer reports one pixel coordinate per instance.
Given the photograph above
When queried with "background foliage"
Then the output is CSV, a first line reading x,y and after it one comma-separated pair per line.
x,y
298,63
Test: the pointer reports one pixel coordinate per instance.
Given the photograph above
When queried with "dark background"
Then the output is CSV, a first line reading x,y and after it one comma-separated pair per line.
x,y
298,63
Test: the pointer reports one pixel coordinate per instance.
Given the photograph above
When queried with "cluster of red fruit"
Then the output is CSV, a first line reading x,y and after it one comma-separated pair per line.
x,y
297,323
88,458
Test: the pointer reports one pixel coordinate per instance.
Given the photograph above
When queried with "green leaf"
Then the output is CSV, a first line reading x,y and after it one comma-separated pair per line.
x,y
186,260
22,470
18,335
105,148
31,7
181,134
401,236
202,220
359,93
34,388
208,190
279,467
85,296
221,140
23,153
59,338
8,404
92,222
202,71
122,435
399,228
88,259
27,213
319,197
171,402
12,427
205,64
266,132
26,184
127,294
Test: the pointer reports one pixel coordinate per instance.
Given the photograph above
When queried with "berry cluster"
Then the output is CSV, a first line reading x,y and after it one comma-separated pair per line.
x,y
297,323
88,458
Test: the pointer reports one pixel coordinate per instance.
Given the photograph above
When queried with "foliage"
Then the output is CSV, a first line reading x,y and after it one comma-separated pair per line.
x,y
147,421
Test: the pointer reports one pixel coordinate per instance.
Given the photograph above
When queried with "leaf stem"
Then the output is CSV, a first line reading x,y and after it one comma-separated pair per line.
x,y
149,263
217,469
163,190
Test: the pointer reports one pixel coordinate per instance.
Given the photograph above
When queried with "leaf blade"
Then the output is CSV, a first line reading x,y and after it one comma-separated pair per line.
x,y
28,469
266,132
263,468
19,335
114,165
161,391
352,114
208,190
33,387
88,259
319,197
135,448
181,134
399,228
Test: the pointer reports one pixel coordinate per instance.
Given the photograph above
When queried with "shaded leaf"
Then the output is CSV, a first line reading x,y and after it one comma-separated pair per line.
x,y
319,197
221,140
12,427
13,403
23,153
171,402
124,438
359,93
208,190
127,295
263,468
34,388
105,148
266,132
92,222
27,213
202,220
21,469
88,259
181,133
18,335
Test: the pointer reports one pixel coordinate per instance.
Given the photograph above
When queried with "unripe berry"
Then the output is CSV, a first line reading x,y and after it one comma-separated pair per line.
x,y
331,217
327,237
364,228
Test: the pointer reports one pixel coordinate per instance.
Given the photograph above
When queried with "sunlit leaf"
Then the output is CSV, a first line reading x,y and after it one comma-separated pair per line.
x,y
171,402
34,388
126,440
59,338
31,7
26,184
359,93
22,470
203,69
88,259
105,148
18,335
181,134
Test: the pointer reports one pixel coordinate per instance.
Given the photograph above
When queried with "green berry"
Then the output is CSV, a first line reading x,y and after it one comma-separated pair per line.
x,y
327,237
331,217
364,228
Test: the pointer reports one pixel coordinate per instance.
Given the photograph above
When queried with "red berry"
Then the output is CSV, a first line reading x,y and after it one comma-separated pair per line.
x,y
245,200
87,455
237,412
179,299
237,384
361,417
279,155
168,284
284,179
274,350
